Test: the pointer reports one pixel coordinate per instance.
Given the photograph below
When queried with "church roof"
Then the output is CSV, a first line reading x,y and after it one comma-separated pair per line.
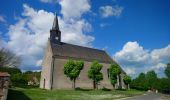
x,y
80,52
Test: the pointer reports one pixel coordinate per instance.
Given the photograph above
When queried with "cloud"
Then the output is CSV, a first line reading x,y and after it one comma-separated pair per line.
x,y
104,25
48,1
135,59
108,11
28,36
2,19
2,43
74,9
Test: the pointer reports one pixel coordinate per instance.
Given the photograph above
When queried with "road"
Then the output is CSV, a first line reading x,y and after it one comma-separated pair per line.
x,y
149,96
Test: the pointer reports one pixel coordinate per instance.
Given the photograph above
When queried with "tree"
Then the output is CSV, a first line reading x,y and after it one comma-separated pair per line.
x,y
10,70
95,74
140,82
114,70
9,59
164,85
72,70
127,79
167,70
151,79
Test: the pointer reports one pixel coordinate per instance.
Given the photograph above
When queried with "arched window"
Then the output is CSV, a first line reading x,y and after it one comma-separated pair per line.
x,y
108,74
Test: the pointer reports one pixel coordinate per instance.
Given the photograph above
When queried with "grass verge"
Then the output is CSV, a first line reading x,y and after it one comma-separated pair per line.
x,y
81,94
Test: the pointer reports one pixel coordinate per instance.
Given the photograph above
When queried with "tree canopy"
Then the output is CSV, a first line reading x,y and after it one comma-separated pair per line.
x,y
114,70
151,79
72,69
9,59
127,79
95,74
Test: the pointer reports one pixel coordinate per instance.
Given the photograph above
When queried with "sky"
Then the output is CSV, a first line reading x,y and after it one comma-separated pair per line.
x,y
135,33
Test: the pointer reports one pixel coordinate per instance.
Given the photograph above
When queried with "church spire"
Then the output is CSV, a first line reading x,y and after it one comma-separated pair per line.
x,y
55,34
55,23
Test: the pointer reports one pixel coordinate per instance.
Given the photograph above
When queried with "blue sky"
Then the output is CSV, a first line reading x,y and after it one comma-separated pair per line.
x,y
134,32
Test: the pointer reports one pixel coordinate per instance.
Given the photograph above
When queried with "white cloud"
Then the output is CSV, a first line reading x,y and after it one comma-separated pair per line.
x,y
107,11
2,19
29,35
135,59
162,55
74,9
2,43
130,71
48,1
39,62
104,25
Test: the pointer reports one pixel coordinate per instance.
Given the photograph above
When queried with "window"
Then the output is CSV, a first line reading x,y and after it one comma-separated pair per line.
x,y
108,74
56,38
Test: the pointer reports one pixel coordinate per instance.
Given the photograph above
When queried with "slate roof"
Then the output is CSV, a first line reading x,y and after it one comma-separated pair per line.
x,y
80,52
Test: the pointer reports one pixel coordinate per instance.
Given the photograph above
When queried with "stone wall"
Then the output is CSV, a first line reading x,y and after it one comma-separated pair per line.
x,y
45,81
4,84
60,81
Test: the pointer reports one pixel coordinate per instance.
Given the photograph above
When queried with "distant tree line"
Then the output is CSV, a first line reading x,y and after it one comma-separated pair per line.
x,y
150,81
19,78
10,62
72,70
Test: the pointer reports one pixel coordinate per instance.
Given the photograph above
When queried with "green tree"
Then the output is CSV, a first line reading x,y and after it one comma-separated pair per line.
x,y
140,82
72,70
127,79
114,70
164,85
151,79
167,70
10,70
95,74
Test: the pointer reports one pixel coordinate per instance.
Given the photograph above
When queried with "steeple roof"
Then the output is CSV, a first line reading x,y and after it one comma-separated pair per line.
x,y
55,23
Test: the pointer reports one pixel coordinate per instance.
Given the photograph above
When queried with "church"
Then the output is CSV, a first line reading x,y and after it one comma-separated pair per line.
x,y
57,53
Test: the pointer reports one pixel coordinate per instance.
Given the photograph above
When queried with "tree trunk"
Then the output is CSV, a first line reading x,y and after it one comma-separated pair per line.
x,y
74,83
94,84
113,86
120,82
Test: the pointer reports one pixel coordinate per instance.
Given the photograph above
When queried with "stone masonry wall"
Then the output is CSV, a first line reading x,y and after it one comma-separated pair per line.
x,y
60,81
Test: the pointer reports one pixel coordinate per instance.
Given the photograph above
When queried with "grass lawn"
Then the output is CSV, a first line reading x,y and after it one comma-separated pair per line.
x,y
40,94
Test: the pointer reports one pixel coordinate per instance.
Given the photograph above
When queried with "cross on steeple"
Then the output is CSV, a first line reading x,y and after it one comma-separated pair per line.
x,y
55,34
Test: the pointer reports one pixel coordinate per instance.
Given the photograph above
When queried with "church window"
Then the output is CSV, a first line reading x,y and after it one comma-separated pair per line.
x,y
108,74
56,38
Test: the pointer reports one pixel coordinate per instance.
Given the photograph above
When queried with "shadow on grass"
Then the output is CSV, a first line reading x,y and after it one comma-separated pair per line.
x,y
106,89
26,86
122,89
16,95
81,89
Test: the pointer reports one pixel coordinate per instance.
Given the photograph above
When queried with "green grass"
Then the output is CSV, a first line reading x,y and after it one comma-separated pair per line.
x,y
81,94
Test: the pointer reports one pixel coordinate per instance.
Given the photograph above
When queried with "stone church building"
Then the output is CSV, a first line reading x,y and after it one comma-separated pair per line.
x,y
57,53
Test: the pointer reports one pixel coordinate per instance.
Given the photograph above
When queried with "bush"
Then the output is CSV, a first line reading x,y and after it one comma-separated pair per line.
x,y
164,85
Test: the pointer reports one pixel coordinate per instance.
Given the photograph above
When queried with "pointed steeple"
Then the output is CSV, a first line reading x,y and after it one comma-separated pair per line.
x,y
55,34
55,23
